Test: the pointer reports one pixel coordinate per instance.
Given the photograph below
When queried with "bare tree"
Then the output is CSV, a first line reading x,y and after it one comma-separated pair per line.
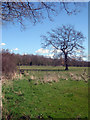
x,y
35,11
66,40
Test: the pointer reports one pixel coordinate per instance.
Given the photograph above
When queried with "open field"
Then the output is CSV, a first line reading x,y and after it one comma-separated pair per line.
x,y
53,68
46,94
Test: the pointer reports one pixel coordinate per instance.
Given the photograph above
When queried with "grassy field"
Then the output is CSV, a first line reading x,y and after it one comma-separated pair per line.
x,y
53,68
46,94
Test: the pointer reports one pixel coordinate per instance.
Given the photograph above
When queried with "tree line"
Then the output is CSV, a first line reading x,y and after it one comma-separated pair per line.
x,y
10,61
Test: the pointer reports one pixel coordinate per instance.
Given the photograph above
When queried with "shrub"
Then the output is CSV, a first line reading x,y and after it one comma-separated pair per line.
x,y
8,63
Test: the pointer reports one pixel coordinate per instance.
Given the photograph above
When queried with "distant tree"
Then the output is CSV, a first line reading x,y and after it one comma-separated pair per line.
x,y
35,11
65,40
31,63
62,60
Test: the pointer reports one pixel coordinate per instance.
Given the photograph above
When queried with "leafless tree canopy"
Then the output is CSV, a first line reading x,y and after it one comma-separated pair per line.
x,y
35,11
66,39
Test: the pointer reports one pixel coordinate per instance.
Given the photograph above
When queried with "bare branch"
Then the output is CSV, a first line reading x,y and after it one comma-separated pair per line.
x,y
35,11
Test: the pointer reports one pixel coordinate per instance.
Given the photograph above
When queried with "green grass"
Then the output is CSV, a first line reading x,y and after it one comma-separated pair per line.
x,y
52,68
24,99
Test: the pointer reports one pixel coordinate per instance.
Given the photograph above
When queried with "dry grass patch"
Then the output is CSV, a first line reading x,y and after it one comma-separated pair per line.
x,y
32,77
50,78
8,79
79,76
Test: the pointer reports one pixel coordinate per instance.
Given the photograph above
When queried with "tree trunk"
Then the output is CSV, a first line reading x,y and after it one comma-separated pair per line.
x,y
66,62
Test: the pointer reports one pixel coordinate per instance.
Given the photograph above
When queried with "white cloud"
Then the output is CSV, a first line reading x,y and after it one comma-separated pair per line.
x,y
2,44
42,51
24,53
10,50
47,51
78,51
83,57
16,49
57,51
50,56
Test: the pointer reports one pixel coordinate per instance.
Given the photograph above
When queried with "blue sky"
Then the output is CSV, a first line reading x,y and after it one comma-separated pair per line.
x,y
29,40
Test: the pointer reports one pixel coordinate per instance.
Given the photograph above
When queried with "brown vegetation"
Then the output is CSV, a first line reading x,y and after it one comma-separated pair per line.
x,y
8,63
11,61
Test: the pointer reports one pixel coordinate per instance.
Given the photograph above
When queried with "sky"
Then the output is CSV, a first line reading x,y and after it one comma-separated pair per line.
x,y
28,41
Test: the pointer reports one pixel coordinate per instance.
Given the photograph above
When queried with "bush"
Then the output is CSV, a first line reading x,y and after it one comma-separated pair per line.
x,y
8,63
